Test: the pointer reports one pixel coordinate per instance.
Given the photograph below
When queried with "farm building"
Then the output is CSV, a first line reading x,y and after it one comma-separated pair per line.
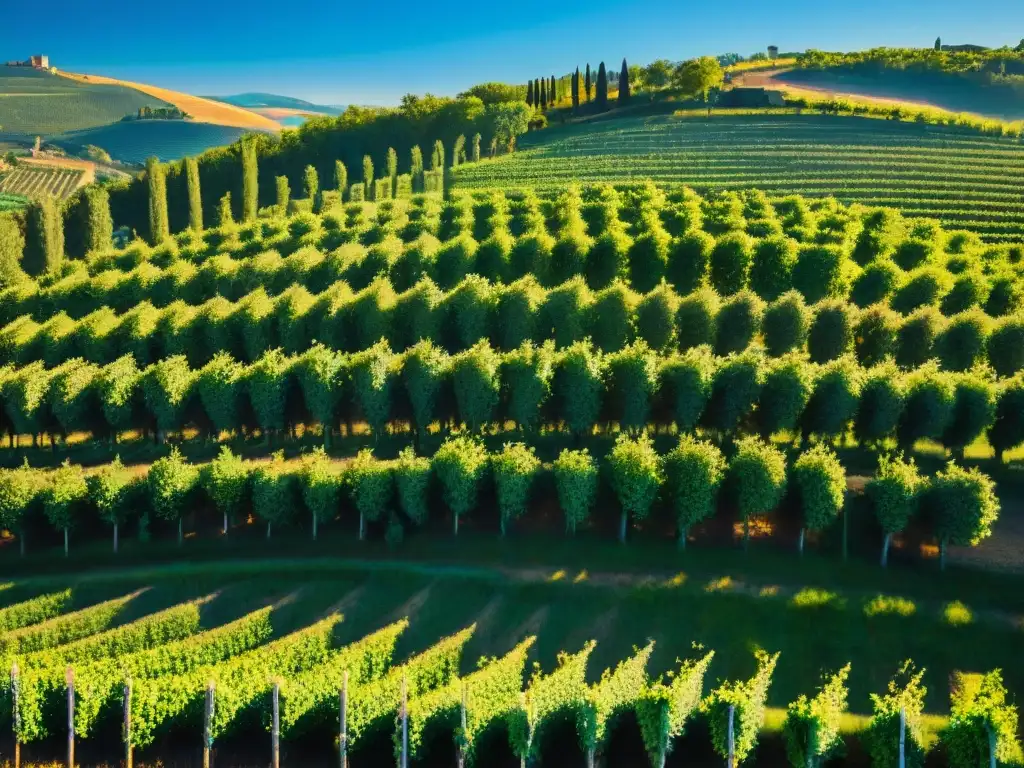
x,y
773,52
38,61
751,97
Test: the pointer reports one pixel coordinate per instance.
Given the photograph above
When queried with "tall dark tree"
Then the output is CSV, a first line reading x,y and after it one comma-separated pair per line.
x,y
553,91
12,249
159,227
529,93
586,84
416,168
602,88
624,90
195,198
250,180
576,88
44,244
938,43
99,225
340,178
544,93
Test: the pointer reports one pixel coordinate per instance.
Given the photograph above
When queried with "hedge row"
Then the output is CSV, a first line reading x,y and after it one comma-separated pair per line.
x,y
576,389
688,485
506,240
510,314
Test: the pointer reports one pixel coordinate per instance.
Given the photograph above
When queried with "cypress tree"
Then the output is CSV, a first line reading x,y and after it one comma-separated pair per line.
x,y
340,178
99,225
586,96
602,88
553,92
416,168
195,199
437,159
576,89
12,249
283,194
392,165
476,148
368,172
310,184
44,246
624,89
250,180
529,93
224,217
159,227
544,93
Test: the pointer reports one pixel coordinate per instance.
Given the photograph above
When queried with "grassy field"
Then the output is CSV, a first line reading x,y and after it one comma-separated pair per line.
x,y
967,181
38,103
37,181
200,109
134,141
10,202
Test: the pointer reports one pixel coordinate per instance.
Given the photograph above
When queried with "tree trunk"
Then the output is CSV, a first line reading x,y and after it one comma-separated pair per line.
x,y
268,531
316,518
683,531
942,555
362,526
225,529
800,546
115,538
504,527
181,531
623,524
65,541
885,549
456,516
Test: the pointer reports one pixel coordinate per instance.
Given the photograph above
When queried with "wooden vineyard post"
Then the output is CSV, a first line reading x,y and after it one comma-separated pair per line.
x,y
128,757
732,738
69,677
275,735
462,726
208,725
405,724
903,736
343,722
16,714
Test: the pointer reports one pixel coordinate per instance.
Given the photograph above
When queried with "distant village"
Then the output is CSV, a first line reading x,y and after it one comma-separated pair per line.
x,y
42,61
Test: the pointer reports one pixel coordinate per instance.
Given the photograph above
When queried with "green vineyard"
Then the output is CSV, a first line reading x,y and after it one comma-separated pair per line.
x,y
965,180
39,181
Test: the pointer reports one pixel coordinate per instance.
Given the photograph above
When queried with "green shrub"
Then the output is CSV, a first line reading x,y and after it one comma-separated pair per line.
x,y
833,404
273,492
267,382
412,483
730,262
648,258
578,385
611,320
424,369
831,332
819,482
514,470
771,273
785,324
459,465
974,410
109,490
632,383
693,471
875,334
811,728
686,385
961,344
689,261
788,384
64,498
963,505
982,724
467,311
320,481
875,284
576,480
370,486
371,378
746,699
928,409
1007,430
226,482
881,404
565,313
636,477
696,319
1005,346
915,341
609,259
923,287
474,375
171,483
735,390
526,375
738,322
167,387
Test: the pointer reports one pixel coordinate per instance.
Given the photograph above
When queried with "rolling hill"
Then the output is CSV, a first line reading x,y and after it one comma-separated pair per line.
x,y
258,101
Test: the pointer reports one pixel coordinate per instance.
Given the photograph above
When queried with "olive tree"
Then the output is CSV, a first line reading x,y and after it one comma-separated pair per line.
x,y
894,493
514,470
819,481
757,473
576,480
459,465
636,477
694,471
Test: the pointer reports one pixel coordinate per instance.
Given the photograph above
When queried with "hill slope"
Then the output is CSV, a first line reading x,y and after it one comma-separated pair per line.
x,y
258,101
966,180
202,110
38,103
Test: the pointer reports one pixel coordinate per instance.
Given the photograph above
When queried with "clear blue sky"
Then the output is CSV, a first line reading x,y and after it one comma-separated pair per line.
x,y
353,52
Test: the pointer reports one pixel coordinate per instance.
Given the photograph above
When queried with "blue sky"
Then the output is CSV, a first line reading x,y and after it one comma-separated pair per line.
x,y
345,52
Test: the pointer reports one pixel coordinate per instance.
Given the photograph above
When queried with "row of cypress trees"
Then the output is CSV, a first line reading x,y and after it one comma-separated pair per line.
x,y
600,92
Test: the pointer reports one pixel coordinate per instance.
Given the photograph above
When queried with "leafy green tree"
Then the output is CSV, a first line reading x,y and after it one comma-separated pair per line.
x,y
412,482
649,258
459,465
698,76
12,249
319,374
220,384
881,404
424,370
368,176
391,163
273,492
475,379
757,473
831,332
167,387
514,469
576,481
656,316
696,319
819,481
44,238
974,410
575,87
928,405
341,178
876,283
371,487
525,377
416,168
172,481
321,481
963,505
71,396
226,482
578,385
310,183
632,385
267,381
771,268
730,262
225,219
636,477
516,312
742,702
159,226
1007,430
195,198
20,488
250,180
894,493
1005,347
915,341
738,322
686,385
437,156
612,317
819,272
371,376
875,334
64,497
117,388
811,728
734,392
787,388
693,472
903,700
835,399
476,147
283,194
982,726
608,258
109,491
961,344
564,315
689,260
587,91
785,324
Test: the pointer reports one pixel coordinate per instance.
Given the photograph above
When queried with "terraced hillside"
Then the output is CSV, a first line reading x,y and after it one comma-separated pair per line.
x,y
37,181
966,180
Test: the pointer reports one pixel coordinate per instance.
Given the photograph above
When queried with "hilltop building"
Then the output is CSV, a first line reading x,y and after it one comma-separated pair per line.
x,y
38,61
773,52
